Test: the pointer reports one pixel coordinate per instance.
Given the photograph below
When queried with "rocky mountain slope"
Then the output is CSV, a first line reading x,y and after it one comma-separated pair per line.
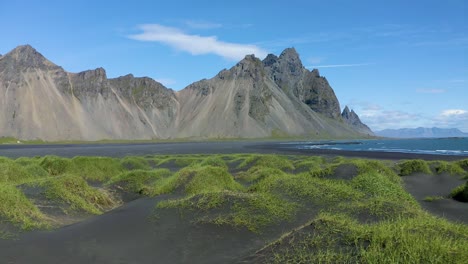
x,y
273,97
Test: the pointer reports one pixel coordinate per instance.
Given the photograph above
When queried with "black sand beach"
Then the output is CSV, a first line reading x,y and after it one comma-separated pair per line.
x,y
228,147
133,233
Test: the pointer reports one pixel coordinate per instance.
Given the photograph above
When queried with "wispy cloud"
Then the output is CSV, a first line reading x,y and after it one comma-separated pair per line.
x,y
339,65
431,91
196,44
454,112
202,24
166,81
379,118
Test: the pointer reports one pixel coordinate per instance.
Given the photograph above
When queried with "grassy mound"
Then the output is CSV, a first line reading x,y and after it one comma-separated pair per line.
x,y
18,210
135,163
337,238
270,161
198,179
96,168
138,181
460,193
411,166
452,168
238,209
55,165
77,194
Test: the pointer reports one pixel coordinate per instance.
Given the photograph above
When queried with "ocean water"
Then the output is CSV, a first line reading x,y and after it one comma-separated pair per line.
x,y
440,146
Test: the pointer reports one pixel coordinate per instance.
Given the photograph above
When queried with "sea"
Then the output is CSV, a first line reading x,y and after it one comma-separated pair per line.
x,y
439,146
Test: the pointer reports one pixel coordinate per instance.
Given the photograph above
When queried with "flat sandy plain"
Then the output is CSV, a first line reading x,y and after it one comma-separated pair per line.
x,y
187,224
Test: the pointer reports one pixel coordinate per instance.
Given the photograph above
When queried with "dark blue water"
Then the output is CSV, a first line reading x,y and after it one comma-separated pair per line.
x,y
441,146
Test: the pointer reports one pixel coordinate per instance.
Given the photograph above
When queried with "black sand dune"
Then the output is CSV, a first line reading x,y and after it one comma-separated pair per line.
x,y
131,234
422,186
137,232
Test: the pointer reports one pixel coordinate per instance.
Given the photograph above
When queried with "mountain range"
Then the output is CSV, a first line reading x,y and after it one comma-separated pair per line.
x,y
421,132
274,97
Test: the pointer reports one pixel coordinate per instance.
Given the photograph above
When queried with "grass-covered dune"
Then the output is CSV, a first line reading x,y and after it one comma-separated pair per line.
x,y
254,208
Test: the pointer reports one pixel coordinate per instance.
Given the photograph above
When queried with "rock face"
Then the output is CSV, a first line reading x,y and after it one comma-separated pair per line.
x,y
309,87
273,97
352,119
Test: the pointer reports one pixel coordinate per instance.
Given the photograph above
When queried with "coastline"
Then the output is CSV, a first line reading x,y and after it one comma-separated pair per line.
x,y
226,147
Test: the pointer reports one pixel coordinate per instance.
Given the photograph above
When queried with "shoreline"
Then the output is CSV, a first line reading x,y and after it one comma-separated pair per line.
x,y
172,148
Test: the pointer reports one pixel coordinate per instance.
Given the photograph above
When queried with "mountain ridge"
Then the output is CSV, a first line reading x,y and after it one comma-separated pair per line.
x,y
254,98
422,132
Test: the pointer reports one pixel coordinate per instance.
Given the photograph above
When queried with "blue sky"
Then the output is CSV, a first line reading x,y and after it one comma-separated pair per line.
x,y
396,63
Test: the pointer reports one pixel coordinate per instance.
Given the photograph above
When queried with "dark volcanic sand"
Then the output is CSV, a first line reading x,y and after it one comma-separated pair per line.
x,y
121,150
130,234
423,185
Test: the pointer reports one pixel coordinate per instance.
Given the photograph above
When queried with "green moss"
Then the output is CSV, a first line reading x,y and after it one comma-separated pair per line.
x,y
139,181
17,209
411,166
271,161
74,191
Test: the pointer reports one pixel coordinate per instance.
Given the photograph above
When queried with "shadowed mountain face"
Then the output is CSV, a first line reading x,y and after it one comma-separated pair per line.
x,y
273,97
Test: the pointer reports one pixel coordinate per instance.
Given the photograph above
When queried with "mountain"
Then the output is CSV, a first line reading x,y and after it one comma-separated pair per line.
x,y
352,119
421,132
273,97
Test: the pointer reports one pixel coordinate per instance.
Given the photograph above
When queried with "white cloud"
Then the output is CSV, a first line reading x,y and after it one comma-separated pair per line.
x,y
453,118
196,44
454,112
166,81
431,91
339,65
202,24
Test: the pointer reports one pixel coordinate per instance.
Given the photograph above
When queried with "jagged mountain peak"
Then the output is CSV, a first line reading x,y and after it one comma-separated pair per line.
x,y
254,98
351,118
24,57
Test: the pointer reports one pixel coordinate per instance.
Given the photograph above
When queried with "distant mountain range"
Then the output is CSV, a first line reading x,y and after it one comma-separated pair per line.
x,y
275,97
421,132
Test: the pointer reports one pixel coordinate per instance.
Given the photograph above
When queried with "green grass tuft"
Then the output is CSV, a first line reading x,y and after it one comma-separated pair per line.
x,y
452,168
74,191
460,193
17,209
139,181
411,166
253,211
11,172
135,163
55,165
199,179
96,168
